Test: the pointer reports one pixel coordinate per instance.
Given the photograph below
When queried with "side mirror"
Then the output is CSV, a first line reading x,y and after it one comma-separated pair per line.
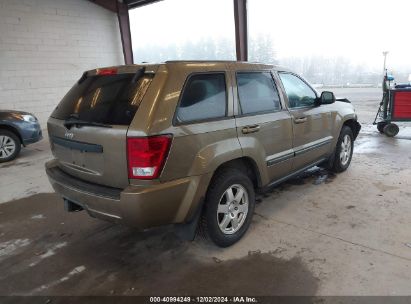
x,y
327,97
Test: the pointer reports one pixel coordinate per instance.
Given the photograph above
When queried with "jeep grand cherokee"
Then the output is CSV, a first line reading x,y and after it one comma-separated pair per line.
x,y
191,142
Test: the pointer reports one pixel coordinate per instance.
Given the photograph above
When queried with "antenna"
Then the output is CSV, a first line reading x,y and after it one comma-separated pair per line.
x,y
384,53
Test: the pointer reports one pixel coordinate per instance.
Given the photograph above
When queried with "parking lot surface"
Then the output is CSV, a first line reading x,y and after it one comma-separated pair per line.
x,y
318,234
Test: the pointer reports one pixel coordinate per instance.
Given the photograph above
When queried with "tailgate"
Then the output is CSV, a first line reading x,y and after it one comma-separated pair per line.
x,y
93,154
94,148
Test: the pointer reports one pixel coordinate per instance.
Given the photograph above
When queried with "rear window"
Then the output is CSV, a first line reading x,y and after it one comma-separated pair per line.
x,y
204,98
108,99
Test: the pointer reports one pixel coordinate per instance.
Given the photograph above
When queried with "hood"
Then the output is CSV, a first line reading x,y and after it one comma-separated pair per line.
x,y
15,112
342,99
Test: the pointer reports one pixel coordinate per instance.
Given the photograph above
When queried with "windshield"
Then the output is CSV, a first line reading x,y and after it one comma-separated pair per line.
x,y
106,99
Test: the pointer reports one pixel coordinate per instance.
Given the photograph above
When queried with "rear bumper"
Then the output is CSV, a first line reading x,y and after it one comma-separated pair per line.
x,y
138,206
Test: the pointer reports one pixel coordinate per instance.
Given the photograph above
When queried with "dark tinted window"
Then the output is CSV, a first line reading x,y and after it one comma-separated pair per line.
x,y
108,99
257,92
204,97
298,92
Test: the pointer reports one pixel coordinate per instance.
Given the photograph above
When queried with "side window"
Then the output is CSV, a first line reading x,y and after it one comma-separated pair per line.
x,y
204,97
257,92
298,92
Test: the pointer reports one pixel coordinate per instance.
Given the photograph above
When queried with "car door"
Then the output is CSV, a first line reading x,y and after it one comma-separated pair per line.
x,y
312,129
264,126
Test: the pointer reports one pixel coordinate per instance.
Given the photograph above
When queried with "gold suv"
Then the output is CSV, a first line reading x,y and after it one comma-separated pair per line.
x,y
189,143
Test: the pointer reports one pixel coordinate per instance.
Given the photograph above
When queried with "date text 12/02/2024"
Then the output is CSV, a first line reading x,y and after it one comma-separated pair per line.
x,y
203,300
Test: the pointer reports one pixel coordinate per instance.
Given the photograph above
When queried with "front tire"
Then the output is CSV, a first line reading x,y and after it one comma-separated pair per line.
x,y
10,146
229,207
344,150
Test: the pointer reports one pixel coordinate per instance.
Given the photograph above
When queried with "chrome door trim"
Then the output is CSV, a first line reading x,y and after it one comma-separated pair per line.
x,y
287,154
279,157
313,145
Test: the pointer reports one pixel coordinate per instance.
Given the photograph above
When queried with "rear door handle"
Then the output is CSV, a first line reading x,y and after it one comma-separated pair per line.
x,y
300,120
250,129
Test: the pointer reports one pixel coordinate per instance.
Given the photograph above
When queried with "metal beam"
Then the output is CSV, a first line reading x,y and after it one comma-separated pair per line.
x,y
107,4
139,3
124,23
241,31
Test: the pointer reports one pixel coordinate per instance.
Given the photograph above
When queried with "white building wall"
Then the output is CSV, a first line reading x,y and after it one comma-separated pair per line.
x,y
46,45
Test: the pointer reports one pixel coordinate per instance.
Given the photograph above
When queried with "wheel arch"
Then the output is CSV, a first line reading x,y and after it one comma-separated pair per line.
x,y
354,125
12,129
246,165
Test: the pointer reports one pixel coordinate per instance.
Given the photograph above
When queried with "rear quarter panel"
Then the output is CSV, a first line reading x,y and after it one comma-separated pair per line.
x,y
200,148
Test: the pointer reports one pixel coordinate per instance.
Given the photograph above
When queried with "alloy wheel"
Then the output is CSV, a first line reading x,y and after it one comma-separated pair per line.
x,y
232,209
346,147
7,146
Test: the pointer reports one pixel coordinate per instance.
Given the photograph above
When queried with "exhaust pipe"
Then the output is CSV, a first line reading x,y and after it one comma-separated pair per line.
x,y
69,206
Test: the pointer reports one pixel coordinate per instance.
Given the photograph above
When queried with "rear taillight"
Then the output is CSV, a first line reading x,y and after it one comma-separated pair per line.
x,y
146,156
108,71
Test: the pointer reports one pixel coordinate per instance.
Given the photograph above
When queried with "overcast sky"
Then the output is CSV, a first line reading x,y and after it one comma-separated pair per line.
x,y
358,29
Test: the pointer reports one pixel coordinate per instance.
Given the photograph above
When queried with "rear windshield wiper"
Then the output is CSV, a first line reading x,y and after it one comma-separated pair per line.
x,y
78,122
140,72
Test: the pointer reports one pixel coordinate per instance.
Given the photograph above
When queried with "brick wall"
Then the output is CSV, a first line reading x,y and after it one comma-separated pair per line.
x,y
45,45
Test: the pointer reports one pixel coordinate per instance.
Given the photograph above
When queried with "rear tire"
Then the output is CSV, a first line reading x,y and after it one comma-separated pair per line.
x,y
229,207
343,151
391,130
10,146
